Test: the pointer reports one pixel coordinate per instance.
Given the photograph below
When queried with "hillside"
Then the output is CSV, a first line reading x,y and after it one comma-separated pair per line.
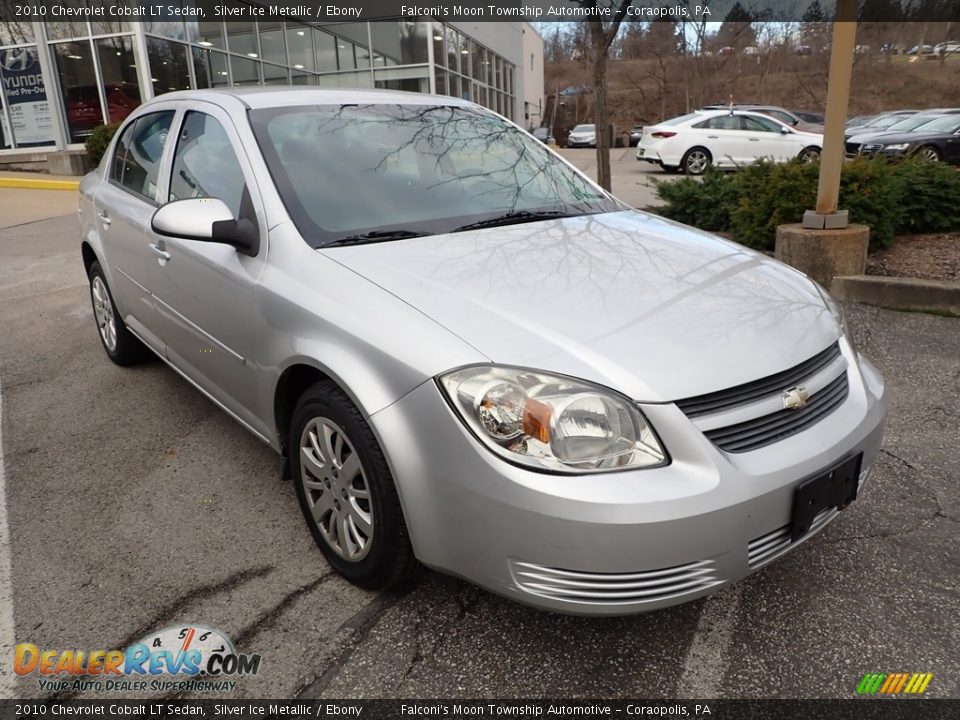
x,y
647,90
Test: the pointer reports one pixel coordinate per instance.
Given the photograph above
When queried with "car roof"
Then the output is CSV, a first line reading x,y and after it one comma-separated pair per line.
x,y
268,97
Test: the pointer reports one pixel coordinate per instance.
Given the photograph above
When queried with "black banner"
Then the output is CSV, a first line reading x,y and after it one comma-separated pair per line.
x,y
853,709
895,11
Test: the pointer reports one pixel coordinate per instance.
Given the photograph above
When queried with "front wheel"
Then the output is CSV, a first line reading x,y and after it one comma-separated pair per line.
x,y
929,153
696,161
809,155
346,491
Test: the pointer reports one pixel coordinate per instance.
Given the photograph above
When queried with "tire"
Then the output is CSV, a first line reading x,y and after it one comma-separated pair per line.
x,y
696,161
928,153
354,515
121,346
809,155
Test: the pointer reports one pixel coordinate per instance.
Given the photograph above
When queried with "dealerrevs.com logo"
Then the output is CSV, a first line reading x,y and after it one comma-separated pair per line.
x,y
185,658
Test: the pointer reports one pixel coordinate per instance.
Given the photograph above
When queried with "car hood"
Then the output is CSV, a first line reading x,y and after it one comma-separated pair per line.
x,y
911,137
654,309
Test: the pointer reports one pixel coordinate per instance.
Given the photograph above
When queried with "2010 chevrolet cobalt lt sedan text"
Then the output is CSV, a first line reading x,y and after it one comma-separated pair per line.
x,y
471,355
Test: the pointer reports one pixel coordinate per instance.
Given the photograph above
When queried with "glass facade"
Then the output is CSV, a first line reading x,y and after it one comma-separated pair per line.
x,y
61,80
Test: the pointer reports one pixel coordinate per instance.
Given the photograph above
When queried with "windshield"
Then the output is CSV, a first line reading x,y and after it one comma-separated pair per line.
x,y
911,122
583,128
387,171
681,119
945,124
885,121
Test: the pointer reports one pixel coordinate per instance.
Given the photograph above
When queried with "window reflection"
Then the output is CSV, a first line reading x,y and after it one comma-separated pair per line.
x,y
211,67
300,48
169,65
118,76
245,71
242,38
272,48
78,89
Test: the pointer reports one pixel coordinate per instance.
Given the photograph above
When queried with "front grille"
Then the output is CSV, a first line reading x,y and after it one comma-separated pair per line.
x,y
614,588
872,148
852,148
758,389
768,429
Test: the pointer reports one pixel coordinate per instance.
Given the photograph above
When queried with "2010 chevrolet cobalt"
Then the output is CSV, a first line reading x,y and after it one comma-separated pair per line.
x,y
471,355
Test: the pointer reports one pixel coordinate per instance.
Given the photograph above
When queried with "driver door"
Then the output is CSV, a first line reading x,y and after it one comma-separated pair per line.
x,y
204,292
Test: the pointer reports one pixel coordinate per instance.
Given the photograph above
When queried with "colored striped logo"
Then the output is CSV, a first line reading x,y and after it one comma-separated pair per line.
x,y
894,683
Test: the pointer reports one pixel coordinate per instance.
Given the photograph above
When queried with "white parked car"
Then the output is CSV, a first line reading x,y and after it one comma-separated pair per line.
x,y
694,142
947,48
582,136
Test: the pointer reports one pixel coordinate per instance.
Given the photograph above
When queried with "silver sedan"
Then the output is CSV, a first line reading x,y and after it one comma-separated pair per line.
x,y
469,355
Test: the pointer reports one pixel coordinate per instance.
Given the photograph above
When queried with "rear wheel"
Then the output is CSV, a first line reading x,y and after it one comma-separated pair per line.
x,y
696,161
346,491
809,155
929,153
118,342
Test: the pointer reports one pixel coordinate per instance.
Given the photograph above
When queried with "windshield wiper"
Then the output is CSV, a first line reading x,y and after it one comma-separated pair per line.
x,y
514,218
375,236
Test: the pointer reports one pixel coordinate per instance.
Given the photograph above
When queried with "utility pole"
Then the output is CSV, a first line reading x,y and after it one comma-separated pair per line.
x,y
825,245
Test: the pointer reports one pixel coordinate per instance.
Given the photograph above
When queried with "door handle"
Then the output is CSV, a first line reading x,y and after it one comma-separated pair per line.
x,y
104,218
159,251
713,137
754,139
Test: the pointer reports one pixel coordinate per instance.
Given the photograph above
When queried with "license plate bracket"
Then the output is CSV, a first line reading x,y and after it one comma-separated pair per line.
x,y
837,487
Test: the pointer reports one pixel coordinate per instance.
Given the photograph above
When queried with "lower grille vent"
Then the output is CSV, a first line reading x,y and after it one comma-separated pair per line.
x,y
614,588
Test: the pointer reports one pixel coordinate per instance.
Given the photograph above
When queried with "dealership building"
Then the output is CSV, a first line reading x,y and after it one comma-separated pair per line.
x,y
63,79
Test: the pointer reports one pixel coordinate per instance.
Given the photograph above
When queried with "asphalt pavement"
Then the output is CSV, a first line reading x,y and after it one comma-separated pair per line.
x,y
134,504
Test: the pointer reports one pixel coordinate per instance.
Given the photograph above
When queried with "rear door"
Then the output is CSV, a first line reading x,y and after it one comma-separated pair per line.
x,y
723,137
124,205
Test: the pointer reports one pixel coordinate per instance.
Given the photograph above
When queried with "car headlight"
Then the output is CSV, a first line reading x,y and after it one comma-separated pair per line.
x,y
552,423
897,146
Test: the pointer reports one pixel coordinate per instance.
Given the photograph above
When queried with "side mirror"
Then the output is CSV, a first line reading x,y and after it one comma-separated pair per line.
x,y
206,220
785,131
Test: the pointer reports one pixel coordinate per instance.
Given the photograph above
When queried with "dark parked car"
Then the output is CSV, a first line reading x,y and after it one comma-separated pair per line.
x,y
879,122
814,118
938,141
911,123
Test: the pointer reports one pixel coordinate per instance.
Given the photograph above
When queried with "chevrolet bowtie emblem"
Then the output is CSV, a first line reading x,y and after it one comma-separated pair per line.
x,y
795,398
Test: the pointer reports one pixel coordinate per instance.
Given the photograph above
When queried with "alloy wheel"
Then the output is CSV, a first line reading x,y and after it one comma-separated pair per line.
x,y
697,162
930,154
103,310
336,489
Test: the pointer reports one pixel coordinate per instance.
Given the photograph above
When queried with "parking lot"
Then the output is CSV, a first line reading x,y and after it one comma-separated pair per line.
x,y
134,504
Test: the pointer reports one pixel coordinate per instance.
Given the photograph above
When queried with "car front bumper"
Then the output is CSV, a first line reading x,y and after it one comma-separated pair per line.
x,y
621,542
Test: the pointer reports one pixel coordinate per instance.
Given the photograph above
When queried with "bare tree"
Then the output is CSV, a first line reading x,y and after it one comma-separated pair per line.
x,y
602,34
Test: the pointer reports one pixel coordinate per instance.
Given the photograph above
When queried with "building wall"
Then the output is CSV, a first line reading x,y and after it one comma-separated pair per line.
x,y
62,80
532,73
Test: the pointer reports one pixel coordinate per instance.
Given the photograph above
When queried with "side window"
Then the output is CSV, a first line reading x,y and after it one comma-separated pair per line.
x,y
136,162
759,124
725,122
205,164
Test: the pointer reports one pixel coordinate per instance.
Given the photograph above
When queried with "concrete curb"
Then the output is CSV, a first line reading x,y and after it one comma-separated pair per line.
x,y
38,184
899,293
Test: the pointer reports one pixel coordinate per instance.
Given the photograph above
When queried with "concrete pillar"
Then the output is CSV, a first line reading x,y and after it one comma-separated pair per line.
x,y
824,254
